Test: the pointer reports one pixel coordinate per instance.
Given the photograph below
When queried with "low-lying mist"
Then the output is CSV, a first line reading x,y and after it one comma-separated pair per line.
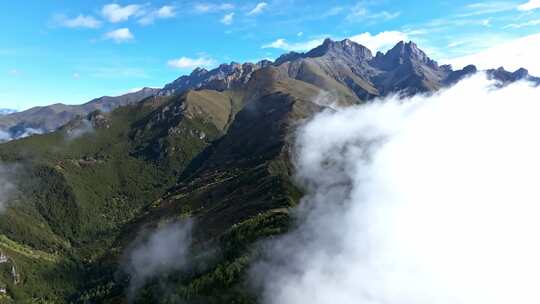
x,y
160,251
8,135
7,184
423,200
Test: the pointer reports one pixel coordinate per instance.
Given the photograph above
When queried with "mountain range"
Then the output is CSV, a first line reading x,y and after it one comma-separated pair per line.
x,y
6,111
213,148
343,68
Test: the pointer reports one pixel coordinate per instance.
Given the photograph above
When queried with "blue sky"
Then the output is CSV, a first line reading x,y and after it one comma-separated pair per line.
x,y
72,51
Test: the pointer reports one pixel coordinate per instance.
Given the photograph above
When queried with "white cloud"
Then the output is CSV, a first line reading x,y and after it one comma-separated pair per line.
x,y
456,44
523,24
120,35
80,21
165,249
420,200
530,5
381,41
83,127
488,7
259,8
522,52
227,19
334,11
165,12
360,13
209,8
282,44
7,178
191,63
76,76
4,136
116,13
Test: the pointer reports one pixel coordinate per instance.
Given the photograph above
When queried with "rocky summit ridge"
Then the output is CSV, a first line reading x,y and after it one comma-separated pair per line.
x,y
345,68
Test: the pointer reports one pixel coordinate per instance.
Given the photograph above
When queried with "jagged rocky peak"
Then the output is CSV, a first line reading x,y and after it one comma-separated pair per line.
x,y
341,48
198,71
455,76
224,77
521,73
471,69
291,56
403,53
506,76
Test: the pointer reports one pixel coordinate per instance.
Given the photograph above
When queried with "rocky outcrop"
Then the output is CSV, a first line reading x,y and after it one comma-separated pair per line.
x,y
506,77
226,76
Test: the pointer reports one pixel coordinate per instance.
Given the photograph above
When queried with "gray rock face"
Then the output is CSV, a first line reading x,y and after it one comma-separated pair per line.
x,y
405,68
403,53
506,77
342,66
226,76
345,49
456,76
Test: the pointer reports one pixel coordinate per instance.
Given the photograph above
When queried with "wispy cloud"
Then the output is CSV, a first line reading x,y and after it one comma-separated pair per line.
x,y
485,8
81,21
523,24
334,11
191,63
165,12
381,41
210,7
530,5
7,178
282,44
360,13
227,19
510,53
120,35
165,249
259,8
456,44
116,13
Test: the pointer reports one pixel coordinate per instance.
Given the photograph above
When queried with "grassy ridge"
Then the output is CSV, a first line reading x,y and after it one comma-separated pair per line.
x,y
76,193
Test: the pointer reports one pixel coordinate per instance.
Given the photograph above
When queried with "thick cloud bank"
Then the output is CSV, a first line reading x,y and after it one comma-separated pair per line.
x,y
427,200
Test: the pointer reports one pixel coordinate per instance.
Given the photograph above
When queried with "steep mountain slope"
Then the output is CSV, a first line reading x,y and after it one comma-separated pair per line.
x,y
77,187
219,155
237,192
